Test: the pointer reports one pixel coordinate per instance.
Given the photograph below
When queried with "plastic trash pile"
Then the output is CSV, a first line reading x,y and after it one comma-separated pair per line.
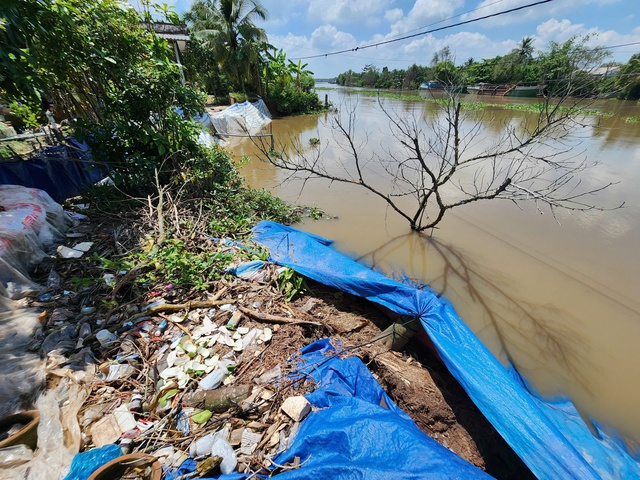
x,y
205,385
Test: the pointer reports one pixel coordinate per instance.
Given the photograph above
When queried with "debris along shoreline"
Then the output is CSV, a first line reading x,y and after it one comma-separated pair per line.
x,y
162,371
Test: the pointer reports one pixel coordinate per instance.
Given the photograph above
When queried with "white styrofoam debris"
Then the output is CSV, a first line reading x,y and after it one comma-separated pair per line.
x,y
296,407
249,441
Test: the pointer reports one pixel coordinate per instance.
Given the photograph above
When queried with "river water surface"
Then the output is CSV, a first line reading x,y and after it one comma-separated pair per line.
x,y
560,301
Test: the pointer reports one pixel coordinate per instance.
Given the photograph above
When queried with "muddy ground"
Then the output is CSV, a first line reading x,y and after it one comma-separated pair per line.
x,y
418,383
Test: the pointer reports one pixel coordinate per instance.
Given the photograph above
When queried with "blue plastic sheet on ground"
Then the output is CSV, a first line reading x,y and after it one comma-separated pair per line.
x,y
84,464
549,436
246,270
358,432
61,171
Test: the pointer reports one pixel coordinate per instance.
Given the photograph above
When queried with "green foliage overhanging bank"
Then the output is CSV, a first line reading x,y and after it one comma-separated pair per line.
x,y
96,62
230,53
98,65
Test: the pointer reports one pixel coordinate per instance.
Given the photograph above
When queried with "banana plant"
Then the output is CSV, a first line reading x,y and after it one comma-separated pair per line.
x,y
299,70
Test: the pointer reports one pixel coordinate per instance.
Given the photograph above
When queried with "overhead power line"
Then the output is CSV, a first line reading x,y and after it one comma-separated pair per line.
x,y
355,49
452,17
621,45
413,30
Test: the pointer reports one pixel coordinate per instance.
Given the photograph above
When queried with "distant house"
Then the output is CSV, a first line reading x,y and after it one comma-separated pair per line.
x,y
605,71
176,35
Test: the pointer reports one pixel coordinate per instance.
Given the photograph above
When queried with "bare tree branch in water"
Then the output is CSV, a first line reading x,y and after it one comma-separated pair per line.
x,y
434,164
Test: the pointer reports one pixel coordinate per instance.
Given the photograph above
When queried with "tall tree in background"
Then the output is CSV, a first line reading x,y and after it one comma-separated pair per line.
x,y
228,28
628,82
525,49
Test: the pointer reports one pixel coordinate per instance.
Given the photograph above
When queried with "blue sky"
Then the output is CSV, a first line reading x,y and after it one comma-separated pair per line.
x,y
312,27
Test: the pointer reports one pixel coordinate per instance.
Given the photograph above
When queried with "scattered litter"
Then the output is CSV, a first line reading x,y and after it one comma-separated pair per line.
x,y
168,378
106,338
296,407
269,376
105,431
66,252
83,247
222,449
249,442
118,371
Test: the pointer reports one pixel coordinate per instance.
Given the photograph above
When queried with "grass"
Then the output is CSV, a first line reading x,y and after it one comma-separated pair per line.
x,y
479,105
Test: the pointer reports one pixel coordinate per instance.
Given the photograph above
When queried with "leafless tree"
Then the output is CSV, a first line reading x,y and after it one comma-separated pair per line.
x,y
439,161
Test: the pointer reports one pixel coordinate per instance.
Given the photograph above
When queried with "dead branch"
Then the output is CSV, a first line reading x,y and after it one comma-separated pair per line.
x,y
438,164
269,318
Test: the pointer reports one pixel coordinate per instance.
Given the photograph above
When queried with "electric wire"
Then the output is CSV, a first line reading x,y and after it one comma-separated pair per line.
x,y
391,38
405,37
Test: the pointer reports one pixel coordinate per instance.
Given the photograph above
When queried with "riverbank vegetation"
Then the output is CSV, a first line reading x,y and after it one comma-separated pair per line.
x,y
552,68
120,84
225,36
479,105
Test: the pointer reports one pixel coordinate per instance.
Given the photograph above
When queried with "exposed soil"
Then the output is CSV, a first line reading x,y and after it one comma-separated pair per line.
x,y
420,384
415,379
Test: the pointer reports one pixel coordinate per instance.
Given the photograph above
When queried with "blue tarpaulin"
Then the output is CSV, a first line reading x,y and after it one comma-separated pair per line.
x,y
549,436
357,431
61,171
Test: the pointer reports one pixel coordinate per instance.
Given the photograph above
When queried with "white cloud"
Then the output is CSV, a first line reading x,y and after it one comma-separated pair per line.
x,y
425,13
393,15
559,31
463,46
348,11
328,38
278,16
489,7
562,30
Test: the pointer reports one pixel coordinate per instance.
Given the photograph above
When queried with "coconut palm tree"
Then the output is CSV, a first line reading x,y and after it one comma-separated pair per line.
x,y
228,28
525,49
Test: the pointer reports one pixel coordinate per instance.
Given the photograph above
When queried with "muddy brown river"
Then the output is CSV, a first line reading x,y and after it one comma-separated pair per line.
x,y
557,297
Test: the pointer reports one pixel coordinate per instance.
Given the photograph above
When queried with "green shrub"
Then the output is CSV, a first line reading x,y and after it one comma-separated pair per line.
x,y
290,101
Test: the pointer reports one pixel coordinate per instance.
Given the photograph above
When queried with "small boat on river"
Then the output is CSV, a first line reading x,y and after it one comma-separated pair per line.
x,y
436,86
506,90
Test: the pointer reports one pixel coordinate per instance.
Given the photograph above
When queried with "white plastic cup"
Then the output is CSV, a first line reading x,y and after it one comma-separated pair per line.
x,y
106,338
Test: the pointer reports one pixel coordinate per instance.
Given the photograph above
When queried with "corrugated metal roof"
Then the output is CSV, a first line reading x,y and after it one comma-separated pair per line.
x,y
174,36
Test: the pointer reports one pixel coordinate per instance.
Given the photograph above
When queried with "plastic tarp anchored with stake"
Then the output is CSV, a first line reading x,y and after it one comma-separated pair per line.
x,y
550,437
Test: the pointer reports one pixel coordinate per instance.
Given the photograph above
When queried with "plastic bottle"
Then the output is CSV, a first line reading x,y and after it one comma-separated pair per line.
x,y
106,338
125,445
136,402
53,280
126,440
162,326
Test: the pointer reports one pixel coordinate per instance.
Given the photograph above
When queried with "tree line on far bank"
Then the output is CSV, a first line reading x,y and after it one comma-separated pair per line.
x,y
522,66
